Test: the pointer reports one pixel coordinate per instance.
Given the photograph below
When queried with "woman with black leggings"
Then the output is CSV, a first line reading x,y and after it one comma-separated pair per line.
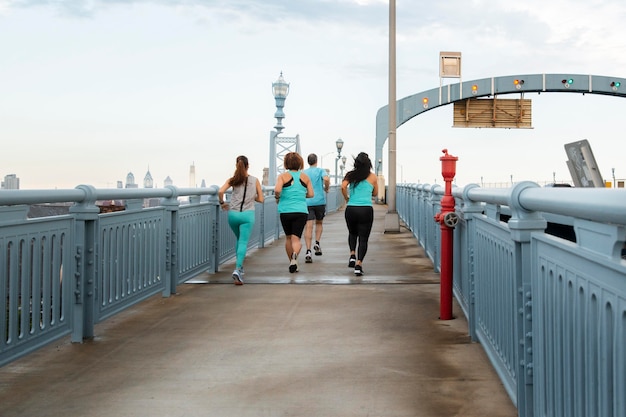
x,y
358,187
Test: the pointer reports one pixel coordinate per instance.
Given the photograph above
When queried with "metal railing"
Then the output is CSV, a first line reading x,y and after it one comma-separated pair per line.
x,y
62,274
541,277
538,272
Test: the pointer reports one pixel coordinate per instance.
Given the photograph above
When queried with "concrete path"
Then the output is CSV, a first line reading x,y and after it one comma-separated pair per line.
x,y
320,343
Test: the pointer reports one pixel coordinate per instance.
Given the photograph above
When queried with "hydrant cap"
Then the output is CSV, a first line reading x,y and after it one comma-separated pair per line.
x,y
448,166
447,157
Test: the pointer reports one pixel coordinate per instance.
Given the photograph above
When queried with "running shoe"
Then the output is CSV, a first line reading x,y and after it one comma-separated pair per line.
x,y
238,277
358,270
293,264
352,262
307,258
317,249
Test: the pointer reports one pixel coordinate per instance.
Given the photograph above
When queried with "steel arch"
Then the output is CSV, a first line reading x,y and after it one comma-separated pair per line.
x,y
416,104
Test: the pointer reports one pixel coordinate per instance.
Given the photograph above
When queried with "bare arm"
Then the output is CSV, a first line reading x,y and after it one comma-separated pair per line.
x,y
344,189
373,179
259,193
220,194
278,188
223,189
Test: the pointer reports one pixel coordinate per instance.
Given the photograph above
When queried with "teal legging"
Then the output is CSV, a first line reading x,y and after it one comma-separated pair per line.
x,y
241,223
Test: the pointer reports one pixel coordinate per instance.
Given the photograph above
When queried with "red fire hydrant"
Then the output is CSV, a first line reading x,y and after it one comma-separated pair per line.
x,y
447,218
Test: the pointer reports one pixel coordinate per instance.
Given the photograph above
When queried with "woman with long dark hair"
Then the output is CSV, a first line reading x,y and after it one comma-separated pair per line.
x,y
246,190
358,187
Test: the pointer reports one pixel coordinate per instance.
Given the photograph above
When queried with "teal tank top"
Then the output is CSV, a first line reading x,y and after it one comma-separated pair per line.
x,y
293,197
360,193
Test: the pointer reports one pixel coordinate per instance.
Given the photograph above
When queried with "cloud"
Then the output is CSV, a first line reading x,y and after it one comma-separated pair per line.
x,y
277,12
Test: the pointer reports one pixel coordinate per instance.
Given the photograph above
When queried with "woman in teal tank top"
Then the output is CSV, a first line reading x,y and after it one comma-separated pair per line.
x,y
358,187
292,189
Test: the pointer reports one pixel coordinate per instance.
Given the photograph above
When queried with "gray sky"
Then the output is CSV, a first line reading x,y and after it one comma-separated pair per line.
x,y
92,89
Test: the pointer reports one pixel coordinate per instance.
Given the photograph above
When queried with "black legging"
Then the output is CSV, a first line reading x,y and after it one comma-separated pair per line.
x,y
359,220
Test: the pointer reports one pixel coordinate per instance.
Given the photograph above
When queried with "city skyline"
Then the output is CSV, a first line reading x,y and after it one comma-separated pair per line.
x,y
99,87
147,181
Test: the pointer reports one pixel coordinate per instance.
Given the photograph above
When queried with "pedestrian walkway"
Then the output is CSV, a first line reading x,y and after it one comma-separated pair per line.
x,y
318,343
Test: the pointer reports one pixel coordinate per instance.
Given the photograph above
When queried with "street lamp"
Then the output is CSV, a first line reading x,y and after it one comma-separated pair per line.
x,y
280,89
613,172
339,144
343,165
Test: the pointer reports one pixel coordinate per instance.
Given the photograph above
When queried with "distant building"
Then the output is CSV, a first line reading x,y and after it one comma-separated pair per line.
x,y
167,181
266,176
203,198
130,181
11,182
192,175
48,209
148,182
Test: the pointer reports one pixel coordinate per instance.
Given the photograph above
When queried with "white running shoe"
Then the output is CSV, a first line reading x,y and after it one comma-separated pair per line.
x,y
293,264
238,277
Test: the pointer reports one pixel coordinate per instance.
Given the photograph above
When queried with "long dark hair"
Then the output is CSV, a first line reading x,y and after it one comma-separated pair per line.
x,y
361,170
241,171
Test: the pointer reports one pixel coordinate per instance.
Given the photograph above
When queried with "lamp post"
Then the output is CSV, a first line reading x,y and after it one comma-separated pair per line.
x,y
343,166
392,220
280,90
613,172
339,144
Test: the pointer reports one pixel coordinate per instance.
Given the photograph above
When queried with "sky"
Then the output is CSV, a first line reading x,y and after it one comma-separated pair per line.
x,y
91,90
